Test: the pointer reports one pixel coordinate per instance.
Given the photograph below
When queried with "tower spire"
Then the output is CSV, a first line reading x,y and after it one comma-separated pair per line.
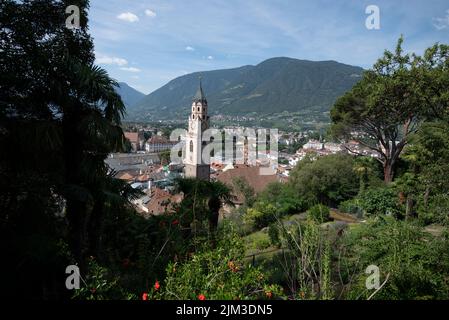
x,y
200,96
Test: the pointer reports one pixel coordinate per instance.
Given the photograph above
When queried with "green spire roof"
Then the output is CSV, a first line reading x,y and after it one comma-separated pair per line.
x,y
200,96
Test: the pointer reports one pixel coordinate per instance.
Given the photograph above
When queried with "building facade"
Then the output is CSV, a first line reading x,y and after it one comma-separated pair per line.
x,y
197,165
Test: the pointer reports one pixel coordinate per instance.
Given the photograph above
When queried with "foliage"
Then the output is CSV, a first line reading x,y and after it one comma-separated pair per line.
x,y
307,261
242,187
380,201
319,213
436,211
203,200
352,206
284,197
261,214
60,117
273,233
328,180
219,273
387,106
416,262
98,285
425,182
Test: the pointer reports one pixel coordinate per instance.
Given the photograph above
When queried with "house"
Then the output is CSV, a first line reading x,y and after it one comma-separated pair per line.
x,y
313,145
136,139
252,177
333,147
161,201
158,144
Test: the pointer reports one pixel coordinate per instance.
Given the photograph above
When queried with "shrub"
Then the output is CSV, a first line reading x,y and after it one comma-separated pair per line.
x,y
437,210
329,180
417,263
273,233
319,213
219,273
380,201
261,215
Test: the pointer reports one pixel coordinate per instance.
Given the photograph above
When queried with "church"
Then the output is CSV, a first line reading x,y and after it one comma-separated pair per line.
x,y
195,165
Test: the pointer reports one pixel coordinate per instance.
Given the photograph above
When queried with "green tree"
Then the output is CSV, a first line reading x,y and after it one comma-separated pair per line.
x,y
59,119
204,199
328,180
387,106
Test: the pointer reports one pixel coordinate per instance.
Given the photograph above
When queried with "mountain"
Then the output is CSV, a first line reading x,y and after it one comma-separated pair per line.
x,y
273,86
130,96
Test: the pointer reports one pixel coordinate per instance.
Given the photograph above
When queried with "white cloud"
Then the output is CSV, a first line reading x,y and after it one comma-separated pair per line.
x,y
130,69
104,59
150,13
128,16
210,58
189,48
441,23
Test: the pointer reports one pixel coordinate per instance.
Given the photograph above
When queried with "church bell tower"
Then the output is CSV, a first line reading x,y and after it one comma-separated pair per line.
x,y
195,165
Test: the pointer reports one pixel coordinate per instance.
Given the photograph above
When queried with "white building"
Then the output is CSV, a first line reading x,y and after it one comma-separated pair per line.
x,y
158,144
314,145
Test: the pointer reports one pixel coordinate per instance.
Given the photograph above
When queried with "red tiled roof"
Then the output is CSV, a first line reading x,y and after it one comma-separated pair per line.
x,y
132,136
250,174
157,139
161,201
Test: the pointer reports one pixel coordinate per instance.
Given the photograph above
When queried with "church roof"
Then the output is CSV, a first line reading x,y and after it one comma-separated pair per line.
x,y
200,96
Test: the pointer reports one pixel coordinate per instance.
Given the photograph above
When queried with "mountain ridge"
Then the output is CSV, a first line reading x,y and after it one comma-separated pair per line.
x,y
274,85
130,96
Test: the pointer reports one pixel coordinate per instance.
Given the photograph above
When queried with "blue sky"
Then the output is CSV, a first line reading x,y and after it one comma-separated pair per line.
x,y
147,43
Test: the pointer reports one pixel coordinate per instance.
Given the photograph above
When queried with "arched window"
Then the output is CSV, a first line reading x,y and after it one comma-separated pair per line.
x,y
198,109
191,146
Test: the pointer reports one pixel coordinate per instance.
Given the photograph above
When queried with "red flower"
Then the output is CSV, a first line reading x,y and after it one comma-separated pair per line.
x,y
175,222
201,297
157,285
268,294
145,296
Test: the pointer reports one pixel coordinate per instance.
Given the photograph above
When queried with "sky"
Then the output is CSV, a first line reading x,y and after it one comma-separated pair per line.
x,y
147,43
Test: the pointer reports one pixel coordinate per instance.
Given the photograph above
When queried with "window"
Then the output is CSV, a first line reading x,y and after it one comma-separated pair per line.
x,y
191,146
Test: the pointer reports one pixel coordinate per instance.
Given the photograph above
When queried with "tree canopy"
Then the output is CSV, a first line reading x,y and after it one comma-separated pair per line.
x,y
393,98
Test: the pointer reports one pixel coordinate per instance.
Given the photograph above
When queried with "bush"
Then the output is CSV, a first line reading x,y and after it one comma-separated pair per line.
x,y
218,273
380,201
418,263
329,180
437,210
319,213
273,233
261,215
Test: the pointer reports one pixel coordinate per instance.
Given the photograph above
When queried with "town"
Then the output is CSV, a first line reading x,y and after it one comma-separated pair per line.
x,y
147,165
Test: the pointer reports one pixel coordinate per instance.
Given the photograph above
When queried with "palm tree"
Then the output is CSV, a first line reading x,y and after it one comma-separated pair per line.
x,y
205,197
219,195
363,168
91,113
